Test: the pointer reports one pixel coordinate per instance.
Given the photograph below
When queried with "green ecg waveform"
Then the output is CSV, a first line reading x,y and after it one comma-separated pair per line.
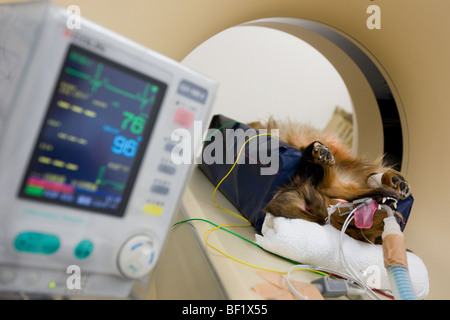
x,y
101,181
97,82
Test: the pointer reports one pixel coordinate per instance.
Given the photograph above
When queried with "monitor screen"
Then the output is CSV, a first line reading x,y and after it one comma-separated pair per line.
x,y
94,134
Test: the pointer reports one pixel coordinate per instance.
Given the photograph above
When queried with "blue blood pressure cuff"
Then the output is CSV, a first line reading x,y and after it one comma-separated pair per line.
x,y
263,166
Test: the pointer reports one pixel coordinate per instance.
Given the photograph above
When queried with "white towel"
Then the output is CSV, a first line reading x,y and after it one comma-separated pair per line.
x,y
313,244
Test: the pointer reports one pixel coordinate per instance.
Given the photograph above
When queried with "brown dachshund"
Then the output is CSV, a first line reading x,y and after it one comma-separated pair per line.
x,y
327,171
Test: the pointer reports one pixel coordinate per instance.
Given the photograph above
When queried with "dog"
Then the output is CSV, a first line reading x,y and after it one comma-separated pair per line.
x,y
327,173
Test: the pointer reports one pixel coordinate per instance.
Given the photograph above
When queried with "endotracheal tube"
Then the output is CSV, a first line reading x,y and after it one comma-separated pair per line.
x,y
395,260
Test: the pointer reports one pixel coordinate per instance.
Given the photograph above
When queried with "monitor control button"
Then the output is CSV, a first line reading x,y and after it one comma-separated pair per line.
x,y
153,209
37,243
84,249
184,118
168,169
136,258
159,189
7,274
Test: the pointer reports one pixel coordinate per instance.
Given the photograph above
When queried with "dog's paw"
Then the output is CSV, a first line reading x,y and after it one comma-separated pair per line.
x,y
322,155
396,181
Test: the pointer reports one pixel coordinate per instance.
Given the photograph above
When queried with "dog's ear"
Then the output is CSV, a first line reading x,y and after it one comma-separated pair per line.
x,y
287,203
299,202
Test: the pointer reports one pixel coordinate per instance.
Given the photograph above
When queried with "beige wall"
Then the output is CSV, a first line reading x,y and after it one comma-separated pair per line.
x,y
413,45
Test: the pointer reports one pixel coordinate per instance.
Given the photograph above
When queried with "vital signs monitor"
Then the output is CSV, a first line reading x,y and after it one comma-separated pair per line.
x,y
87,185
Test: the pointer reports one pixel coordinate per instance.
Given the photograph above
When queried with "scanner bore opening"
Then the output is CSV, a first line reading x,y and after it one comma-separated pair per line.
x,y
334,45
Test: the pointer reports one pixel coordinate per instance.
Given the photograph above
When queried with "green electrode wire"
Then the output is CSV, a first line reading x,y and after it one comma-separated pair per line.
x,y
231,232
235,234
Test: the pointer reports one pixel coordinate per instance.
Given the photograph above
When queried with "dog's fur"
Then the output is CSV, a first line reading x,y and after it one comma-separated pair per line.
x,y
328,170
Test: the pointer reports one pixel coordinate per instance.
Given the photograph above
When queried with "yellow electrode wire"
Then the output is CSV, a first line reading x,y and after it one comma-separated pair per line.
x,y
240,217
235,214
218,185
243,218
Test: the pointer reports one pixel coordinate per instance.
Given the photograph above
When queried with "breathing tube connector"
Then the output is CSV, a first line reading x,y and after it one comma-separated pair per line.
x,y
395,260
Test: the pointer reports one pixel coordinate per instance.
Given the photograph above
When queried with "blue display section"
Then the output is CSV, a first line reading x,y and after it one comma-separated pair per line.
x,y
94,134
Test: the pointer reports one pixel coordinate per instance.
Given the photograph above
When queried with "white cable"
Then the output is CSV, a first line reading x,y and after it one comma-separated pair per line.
x,y
348,268
366,288
354,276
344,262
291,287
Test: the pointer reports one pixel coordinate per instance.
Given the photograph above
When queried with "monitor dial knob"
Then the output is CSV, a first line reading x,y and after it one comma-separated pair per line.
x,y
137,256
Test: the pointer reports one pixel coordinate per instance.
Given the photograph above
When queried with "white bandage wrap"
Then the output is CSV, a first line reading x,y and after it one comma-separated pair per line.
x,y
374,180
